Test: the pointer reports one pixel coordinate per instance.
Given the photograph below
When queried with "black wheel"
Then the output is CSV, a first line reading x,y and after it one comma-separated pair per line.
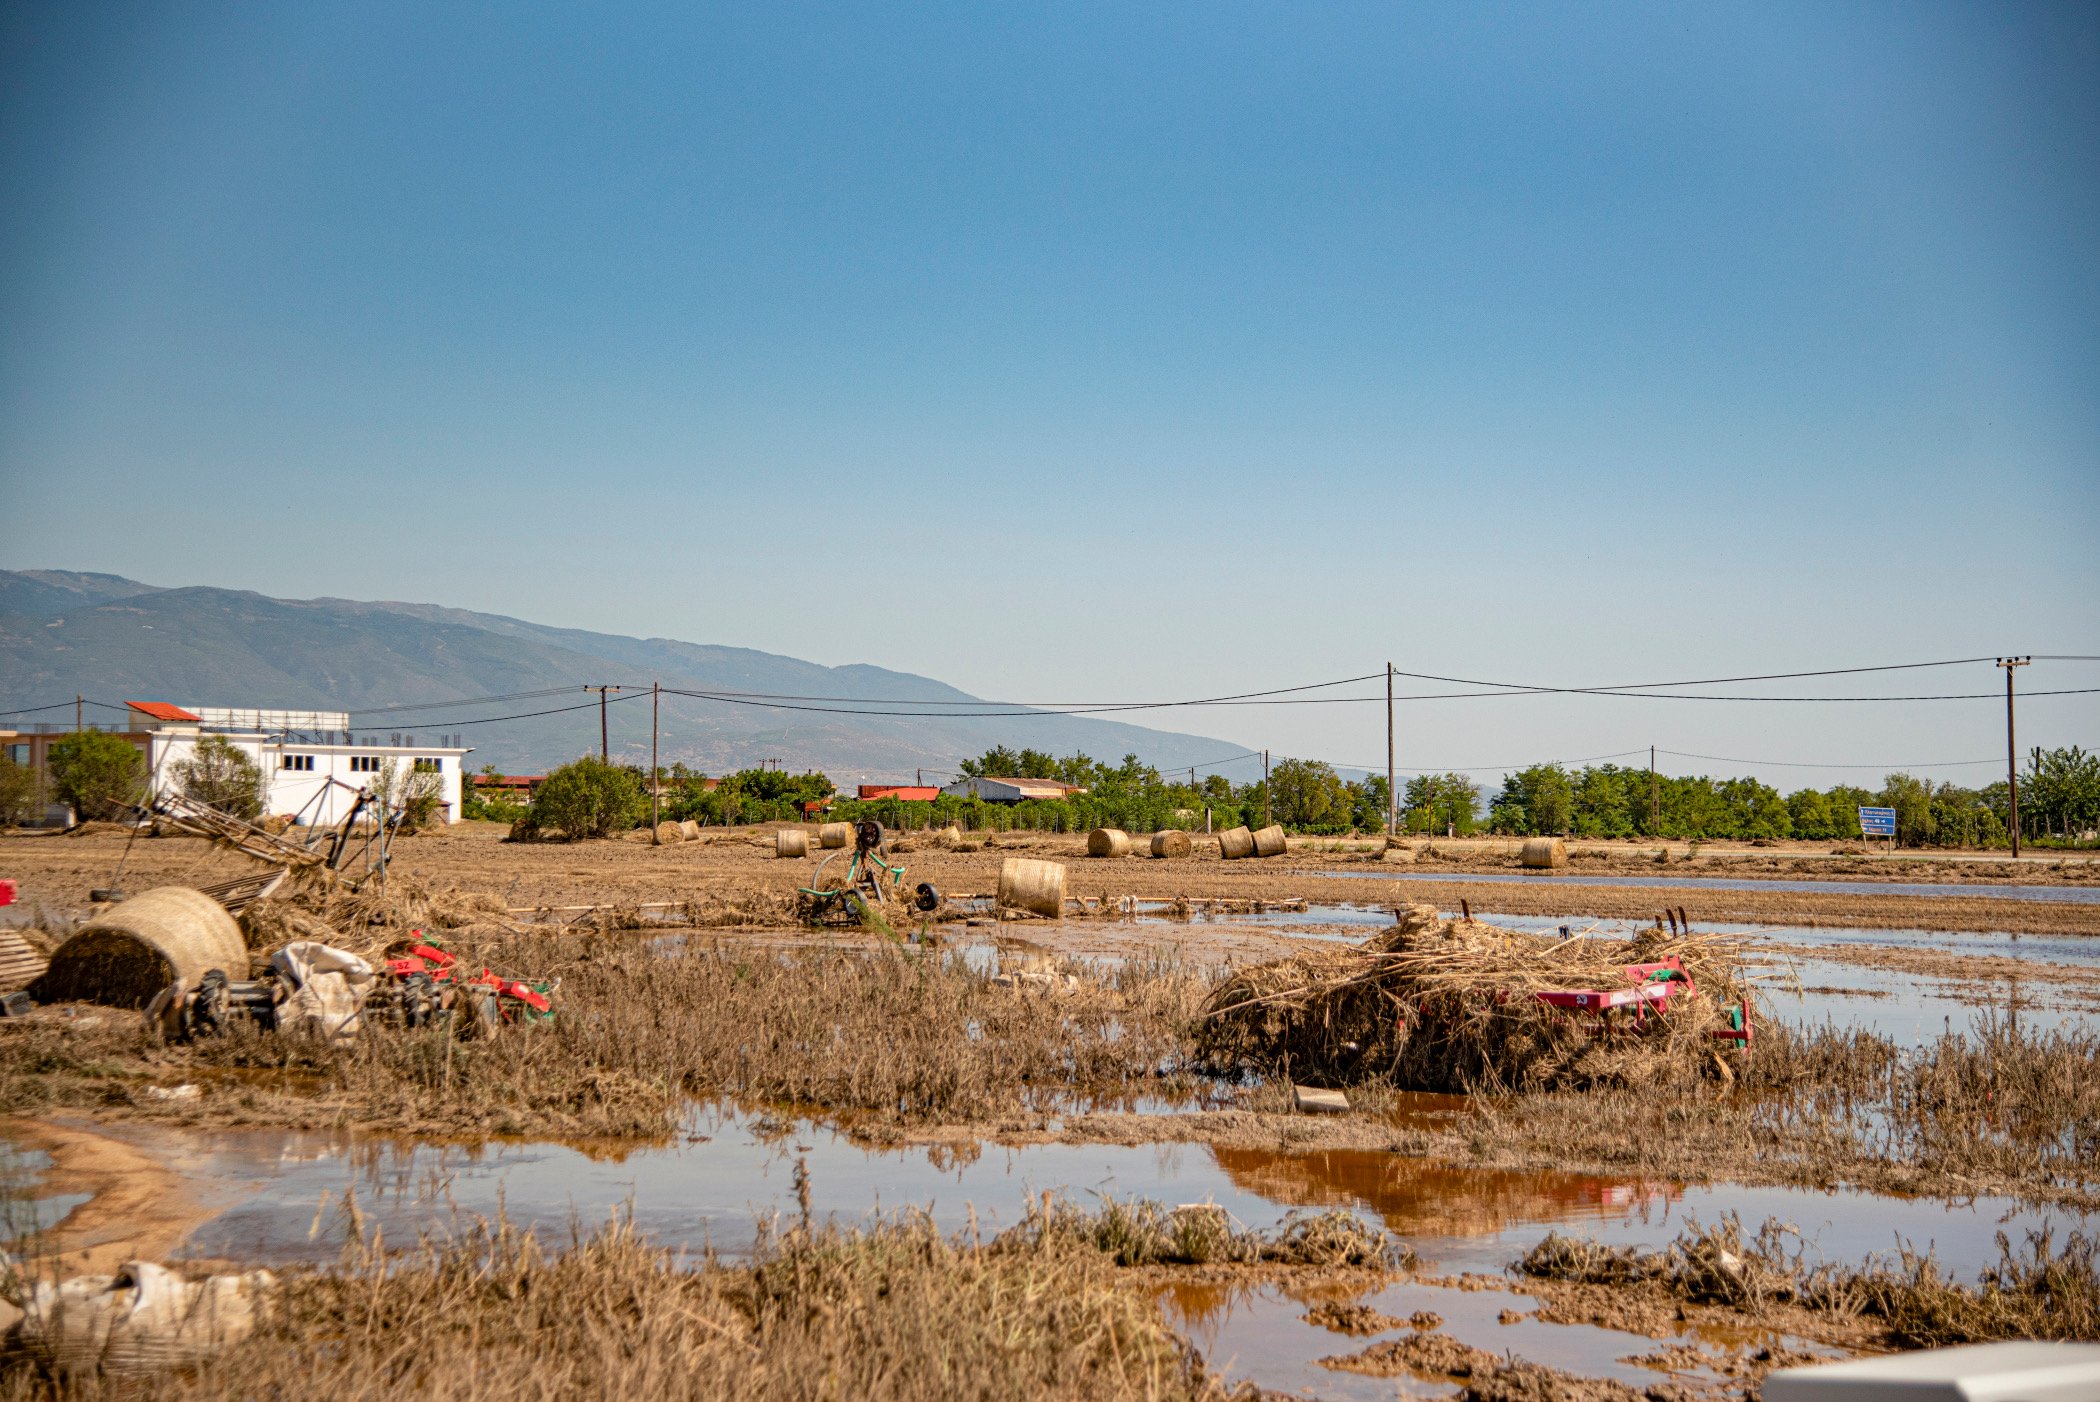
x,y
867,835
926,896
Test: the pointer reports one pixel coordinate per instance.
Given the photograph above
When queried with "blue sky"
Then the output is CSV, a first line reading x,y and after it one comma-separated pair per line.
x,y
1097,352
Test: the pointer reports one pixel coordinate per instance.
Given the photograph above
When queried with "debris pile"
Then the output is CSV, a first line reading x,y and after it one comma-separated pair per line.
x,y
1457,1005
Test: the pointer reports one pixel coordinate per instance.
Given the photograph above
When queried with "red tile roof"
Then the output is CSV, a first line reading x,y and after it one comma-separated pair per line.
x,y
161,710
909,793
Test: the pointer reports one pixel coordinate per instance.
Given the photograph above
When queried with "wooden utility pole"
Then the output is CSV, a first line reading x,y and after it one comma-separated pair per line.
x,y
1391,801
78,724
604,742
656,775
1266,821
1655,797
2012,752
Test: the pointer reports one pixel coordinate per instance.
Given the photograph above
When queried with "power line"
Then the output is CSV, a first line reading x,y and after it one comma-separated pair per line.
x,y
1805,764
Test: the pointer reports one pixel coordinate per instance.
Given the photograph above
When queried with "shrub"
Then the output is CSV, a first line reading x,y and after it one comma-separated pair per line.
x,y
220,775
588,798
98,773
413,793
17,792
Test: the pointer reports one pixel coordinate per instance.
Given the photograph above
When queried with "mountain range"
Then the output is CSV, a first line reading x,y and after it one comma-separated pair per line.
x,y
422,669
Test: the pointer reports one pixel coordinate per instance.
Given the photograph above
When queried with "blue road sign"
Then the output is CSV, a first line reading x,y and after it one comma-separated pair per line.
x,y
1877,822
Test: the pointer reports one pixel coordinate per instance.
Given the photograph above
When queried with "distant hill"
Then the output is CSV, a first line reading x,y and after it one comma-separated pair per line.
x,y
114,639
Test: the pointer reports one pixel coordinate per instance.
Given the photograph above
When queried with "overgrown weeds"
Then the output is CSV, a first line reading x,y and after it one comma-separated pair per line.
x,y
2037,1291
1144,1233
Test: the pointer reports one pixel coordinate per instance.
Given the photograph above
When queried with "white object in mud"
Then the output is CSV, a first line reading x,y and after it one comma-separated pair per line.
x,y
142,1318
1319,1102
2027,1371
328,990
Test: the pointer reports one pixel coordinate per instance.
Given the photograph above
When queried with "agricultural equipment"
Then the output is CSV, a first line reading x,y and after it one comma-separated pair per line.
x,y
861,894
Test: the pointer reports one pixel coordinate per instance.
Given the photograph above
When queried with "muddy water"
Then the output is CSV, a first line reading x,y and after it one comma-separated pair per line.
x,y
2076,895
290,1197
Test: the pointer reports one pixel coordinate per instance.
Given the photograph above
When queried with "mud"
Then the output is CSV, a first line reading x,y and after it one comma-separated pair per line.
x,y
137,1207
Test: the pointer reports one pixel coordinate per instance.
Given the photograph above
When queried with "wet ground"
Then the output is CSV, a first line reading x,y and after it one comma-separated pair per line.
x,y
276,1197
2081,895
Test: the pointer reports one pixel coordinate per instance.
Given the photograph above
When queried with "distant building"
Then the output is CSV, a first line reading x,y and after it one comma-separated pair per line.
x,y
909,793
1007,790
313,765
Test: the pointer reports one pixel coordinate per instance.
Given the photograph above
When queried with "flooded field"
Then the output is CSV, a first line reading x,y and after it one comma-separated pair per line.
x,y
281,1198
2079,895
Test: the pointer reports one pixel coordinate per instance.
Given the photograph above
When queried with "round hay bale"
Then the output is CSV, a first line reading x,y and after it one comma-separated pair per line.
x,y
1396,852
1027,884
949,836
1270,842
691,828
669,832
791,842
1235,843
835,835
1173,843
1543,853
1108,842
132,951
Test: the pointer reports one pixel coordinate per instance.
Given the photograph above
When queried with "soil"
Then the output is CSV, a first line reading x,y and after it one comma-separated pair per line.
x,y
56,874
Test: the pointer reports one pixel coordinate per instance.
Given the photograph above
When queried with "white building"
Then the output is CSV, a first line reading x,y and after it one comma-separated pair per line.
x,y
314,766
1010,790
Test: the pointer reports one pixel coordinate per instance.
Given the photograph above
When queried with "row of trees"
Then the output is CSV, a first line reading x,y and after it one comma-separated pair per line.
x,y
2060,797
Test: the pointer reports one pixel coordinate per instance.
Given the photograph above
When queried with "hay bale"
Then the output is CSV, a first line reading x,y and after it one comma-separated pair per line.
x,y
1543,853
130,952
949,836
691,829
669,832
1108,842
1270,842
1235,843
1172,844
1027,884
1396,851
20,964
832,836
791,842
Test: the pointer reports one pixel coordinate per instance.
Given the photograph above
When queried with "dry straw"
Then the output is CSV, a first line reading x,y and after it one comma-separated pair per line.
x,y
1543,853
1172,844
1235,843
133,950
791,842
1108,842
669,832
1031,885
832,836
1448,1006
1270,842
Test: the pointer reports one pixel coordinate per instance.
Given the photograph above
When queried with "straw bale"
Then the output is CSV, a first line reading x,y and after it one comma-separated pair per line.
x,y
1235,843
131,951
1270,842
835,835
1035,886
791,842
669,832
691,828
1108,842
1448,1006
1543,853
949,836
1171,844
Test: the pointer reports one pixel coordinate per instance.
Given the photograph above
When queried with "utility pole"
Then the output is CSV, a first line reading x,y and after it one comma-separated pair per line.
x,y
1655,797
78,724
656,778
1266,821
1391,803
604,743
2012,752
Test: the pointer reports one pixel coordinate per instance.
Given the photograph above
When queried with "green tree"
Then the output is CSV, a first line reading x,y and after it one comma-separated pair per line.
x,y
587,798
17,792
219,774
1812,815
412,792
1438,803
1308,795
97,773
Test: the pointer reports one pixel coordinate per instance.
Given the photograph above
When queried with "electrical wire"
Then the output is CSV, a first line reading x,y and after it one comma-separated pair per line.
x,y
1805,764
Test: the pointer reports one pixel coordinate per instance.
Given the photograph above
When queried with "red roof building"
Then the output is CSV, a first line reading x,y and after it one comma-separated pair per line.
x,y
161,710
909,793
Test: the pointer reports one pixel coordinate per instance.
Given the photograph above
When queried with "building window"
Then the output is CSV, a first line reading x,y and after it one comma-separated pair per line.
x,y
425,765
303,763
19,754
364,764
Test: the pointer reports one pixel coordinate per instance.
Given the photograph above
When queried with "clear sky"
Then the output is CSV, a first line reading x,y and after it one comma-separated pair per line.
x,y
1099,351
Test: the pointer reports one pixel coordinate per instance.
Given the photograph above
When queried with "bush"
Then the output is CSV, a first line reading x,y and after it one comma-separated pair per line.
x,y
17,792
98,773
588,798
220,775
411,792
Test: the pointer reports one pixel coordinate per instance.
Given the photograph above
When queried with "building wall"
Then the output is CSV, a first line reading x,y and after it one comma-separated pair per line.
x,y
306,792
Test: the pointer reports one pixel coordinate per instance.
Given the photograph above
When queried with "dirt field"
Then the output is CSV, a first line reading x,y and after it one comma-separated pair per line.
x,y
57,873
